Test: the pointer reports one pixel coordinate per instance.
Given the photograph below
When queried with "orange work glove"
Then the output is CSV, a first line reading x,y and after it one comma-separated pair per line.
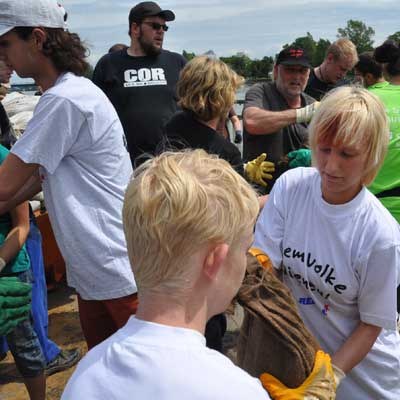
x,y
262,258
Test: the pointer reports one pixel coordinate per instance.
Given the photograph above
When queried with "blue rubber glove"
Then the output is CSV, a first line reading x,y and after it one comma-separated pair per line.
x,y
300,158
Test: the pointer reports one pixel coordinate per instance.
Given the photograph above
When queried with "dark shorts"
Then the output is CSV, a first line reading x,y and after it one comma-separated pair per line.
x,y
24,344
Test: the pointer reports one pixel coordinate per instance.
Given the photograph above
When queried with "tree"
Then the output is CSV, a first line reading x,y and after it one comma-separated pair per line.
x,y
320,51
89,72
260,68
188,55
359,33
395,37
239,62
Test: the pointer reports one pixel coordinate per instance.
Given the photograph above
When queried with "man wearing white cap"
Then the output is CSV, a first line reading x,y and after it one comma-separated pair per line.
x,y
73,149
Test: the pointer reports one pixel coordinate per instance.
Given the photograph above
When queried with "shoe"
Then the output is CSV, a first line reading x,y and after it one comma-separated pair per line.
x,y
65,359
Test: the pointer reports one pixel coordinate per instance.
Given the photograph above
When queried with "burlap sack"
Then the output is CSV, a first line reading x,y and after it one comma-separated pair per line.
x,y
273,337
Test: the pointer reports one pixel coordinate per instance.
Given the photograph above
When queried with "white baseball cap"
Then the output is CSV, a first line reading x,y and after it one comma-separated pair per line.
x,y
31,13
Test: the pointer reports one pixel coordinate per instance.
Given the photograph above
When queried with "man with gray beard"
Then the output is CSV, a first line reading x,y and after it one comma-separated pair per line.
x,y
276,114
140,80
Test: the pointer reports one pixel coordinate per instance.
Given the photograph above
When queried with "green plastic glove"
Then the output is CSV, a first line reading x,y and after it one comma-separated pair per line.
x,y
299,158
258,170
15,299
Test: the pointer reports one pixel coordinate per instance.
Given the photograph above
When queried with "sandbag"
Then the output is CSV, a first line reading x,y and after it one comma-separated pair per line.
x,y
16,102
273,337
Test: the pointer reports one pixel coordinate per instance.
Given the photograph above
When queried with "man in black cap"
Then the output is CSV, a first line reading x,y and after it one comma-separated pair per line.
x,y
140,80
276,114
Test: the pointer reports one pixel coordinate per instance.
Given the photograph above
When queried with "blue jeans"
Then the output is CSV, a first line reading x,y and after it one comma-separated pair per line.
x,y
24,343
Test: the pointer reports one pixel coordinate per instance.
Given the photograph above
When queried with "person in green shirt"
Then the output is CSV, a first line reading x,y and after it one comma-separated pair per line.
x,y
380,73
15,267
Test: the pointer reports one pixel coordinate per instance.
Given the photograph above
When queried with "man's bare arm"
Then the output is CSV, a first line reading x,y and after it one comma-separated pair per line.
x,y
260,122
19,181
14,173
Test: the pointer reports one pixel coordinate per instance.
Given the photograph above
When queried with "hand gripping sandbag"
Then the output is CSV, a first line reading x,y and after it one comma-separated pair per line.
x,y
273,338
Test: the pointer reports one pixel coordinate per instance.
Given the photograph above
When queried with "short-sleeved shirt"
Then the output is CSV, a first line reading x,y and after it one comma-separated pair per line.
x,y
77,139
277,144
386,185
21,261
342,265
146,360
317,88
143,91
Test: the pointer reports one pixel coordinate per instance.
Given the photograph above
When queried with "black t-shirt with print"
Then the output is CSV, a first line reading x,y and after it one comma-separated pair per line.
x,y
143,92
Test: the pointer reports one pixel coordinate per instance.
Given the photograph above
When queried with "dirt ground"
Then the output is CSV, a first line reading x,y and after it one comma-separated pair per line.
x,y
64,329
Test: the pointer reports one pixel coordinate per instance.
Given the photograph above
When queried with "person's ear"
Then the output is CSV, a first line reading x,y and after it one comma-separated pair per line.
x,y
369,79
214,260
275,71
135,29
330,58
39,36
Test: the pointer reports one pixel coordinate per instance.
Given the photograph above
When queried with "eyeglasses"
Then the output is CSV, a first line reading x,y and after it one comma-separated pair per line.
x,y
156,26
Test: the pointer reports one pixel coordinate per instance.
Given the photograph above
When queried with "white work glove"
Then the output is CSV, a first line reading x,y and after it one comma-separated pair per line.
x,y
338,374
305,114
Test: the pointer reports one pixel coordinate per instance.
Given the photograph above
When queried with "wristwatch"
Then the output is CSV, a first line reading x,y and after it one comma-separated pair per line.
x,y
2,263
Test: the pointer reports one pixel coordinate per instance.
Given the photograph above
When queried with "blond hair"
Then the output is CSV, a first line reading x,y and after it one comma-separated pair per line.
x,y
207,86
176,204
343,49
351,115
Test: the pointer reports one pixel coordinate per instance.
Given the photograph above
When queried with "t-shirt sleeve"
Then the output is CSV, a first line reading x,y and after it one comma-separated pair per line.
x,y
98,74
270,226
50,133
183,61
254,97
379,278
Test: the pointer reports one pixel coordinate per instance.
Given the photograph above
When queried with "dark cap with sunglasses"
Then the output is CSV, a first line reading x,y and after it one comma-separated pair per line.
x,y
149,9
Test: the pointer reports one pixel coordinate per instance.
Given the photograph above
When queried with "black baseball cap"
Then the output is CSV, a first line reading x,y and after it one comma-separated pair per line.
x,y
149,9
293,56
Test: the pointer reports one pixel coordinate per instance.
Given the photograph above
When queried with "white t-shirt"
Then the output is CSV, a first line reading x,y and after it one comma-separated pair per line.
x,y
77,139
145,360
342,264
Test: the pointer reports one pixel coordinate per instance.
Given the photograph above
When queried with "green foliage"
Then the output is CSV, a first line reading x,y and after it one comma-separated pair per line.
x,y
188,55
395,37
320,51
253,69
359,33
89,72
239,62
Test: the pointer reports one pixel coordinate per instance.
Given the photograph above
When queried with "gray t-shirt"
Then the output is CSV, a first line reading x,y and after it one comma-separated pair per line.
x,y
267,97
77,139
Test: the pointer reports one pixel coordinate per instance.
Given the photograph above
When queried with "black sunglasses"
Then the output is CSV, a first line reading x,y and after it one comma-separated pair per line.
x,y
156,26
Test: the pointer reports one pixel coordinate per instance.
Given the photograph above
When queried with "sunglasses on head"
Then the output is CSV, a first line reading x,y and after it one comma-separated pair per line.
x,y
156,26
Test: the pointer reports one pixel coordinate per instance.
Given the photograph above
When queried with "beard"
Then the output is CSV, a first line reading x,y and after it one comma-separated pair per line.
x,y
149,48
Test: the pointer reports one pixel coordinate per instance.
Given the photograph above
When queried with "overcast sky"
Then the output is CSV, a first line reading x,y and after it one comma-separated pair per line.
x,y
256,27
